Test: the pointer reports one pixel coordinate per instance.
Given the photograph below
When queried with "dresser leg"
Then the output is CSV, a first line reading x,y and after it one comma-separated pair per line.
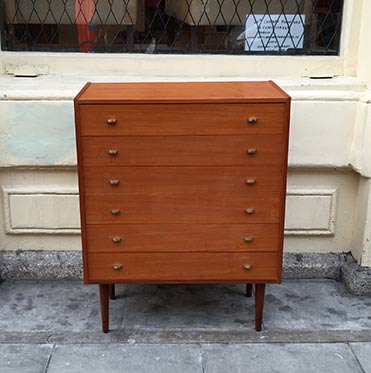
x,y
259,305
104,305
112,294
249,290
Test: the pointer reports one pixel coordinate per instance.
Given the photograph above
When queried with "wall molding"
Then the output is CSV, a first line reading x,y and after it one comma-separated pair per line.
x,y
318,223
30,202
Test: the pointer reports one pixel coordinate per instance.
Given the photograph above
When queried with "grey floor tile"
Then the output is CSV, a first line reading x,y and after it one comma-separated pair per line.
x,y
16,358
315,305
188,307
126,359
363,353
293,305
69,306
287,358
29,306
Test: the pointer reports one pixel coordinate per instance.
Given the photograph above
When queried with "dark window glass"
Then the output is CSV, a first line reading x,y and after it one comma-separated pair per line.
x,y
303,27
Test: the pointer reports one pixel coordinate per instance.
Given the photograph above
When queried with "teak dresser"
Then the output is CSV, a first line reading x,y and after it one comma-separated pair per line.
x,y
182,183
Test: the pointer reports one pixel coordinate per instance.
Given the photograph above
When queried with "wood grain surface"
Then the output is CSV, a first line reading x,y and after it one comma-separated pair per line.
x,y
182,267
198,208
267,181
182,238
182,150
187,92
182,119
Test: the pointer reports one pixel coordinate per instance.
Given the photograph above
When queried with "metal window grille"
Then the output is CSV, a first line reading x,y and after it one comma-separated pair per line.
x,y
298,27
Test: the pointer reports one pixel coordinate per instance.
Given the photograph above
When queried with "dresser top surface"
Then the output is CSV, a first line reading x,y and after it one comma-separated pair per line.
x,y
187,92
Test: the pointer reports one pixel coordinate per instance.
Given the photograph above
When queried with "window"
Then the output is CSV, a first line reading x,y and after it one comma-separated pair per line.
x,y
297,27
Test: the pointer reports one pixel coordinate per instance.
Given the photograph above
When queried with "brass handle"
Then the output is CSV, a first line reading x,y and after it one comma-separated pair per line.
x,y
114,182
117,267
249,239
251,151
250,181
113,152
252,120
249,211
115,212
247,266
116,239
111,121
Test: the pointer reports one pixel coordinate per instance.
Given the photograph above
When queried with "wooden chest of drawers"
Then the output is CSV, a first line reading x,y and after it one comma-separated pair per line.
x,y
182,183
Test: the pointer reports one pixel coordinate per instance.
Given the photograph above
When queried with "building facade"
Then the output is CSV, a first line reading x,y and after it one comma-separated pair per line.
x,y
329,190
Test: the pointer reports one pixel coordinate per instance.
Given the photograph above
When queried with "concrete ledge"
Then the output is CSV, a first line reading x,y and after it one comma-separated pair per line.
x,y
40,265
355,278
312,265
67,265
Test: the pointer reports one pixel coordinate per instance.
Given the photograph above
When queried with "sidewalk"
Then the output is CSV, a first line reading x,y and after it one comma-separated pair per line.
x,y
309,326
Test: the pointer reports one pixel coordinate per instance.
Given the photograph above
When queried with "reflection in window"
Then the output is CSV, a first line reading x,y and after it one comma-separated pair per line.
x,y
173,26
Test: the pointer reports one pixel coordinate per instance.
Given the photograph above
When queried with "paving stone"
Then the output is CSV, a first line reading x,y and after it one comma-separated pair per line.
x,y
15,358
363,354
287,358
191,307
34,306
69,306
315,305
126,358
294,305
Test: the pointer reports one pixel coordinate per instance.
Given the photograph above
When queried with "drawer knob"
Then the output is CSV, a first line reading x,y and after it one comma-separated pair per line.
x,y
249,239
250,181
252,120
114,182
116,239
249,211
251,151
117,267
111,121
113,152
247,266
115,212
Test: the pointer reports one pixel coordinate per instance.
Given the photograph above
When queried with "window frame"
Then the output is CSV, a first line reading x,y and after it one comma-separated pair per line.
x,y
204,65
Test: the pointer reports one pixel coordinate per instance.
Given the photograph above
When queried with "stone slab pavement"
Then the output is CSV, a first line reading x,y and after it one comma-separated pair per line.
x,y
309,326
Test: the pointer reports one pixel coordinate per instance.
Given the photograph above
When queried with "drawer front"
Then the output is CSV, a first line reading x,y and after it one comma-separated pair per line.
x,y
251,181
182,150
182,238
173,267
186,119
198,209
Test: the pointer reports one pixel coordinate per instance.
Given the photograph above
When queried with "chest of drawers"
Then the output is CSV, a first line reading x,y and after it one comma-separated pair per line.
x,y
182,183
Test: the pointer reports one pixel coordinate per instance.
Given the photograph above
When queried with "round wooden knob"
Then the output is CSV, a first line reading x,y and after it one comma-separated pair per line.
x,y
252,120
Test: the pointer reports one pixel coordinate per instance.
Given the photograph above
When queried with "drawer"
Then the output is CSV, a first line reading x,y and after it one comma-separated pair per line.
x,y
183,238
183,267
182,150
197,209
181,119
251,181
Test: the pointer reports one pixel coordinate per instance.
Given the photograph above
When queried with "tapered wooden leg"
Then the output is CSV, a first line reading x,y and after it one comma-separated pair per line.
x,y
104,306
112,294
259,305
248,290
